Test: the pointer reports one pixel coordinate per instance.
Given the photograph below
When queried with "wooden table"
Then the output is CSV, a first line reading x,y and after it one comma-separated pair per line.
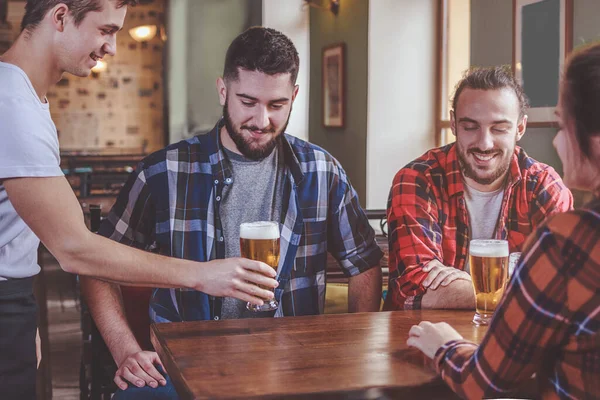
x,y
352,356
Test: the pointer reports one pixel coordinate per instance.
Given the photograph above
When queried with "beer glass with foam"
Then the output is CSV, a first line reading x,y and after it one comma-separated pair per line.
x,y
488,261
259,241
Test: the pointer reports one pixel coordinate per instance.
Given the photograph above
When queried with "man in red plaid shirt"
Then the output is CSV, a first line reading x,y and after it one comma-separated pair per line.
x,y
482,187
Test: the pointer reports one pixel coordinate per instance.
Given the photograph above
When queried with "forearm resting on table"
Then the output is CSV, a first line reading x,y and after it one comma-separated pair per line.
x,y
364,291
458,294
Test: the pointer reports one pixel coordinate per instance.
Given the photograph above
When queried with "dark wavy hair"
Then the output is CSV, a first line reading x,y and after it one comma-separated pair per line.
x,y
262,49
35,10
581,95
491,78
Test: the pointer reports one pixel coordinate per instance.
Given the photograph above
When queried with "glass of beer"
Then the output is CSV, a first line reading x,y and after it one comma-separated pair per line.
x,y
259,241
488,260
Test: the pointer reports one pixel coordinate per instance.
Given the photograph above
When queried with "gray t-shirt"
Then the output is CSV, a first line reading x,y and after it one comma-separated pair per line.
x,y
484,212
28,148
255,195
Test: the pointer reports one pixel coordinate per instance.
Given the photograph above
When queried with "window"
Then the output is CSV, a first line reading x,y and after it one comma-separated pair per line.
x,y
454,57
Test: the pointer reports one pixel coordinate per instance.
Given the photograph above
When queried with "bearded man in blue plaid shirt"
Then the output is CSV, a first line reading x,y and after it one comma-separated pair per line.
x,y
189,199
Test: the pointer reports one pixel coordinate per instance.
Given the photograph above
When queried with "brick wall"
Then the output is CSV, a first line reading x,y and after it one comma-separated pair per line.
x,y
121,108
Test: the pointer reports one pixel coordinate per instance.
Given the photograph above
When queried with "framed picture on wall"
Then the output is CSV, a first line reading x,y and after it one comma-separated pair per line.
x,y
542,38
333,87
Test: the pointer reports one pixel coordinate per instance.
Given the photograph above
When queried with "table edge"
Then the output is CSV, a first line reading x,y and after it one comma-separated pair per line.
x,y
163,351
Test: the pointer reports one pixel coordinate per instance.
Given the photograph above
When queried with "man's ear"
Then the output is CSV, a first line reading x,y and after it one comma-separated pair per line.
x,y
222,91
58,16
453,122
521,127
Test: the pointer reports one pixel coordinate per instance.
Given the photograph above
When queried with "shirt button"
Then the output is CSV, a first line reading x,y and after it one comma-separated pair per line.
x,y
216,318
218,198
216,181
221,239
228,180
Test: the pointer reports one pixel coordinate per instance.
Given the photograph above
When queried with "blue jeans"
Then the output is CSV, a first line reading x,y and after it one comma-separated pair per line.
x,y
166,392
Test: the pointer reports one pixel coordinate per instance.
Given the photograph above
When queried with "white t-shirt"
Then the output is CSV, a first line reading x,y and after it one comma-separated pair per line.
x,y
484,212
28,148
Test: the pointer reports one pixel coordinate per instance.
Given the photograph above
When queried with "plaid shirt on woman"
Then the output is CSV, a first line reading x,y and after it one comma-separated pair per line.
x,y
428,217
170,205
548,322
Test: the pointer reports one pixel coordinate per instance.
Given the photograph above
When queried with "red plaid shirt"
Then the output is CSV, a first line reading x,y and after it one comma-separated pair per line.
x,y
428,218
548,322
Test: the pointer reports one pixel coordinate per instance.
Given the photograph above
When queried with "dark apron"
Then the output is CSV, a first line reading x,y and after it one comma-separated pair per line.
x,y
18,362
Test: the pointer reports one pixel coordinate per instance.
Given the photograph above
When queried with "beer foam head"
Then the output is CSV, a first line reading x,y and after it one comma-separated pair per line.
x,y
488,248
262,230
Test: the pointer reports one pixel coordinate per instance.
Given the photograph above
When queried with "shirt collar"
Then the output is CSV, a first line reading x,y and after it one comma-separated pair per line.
x,y
221,166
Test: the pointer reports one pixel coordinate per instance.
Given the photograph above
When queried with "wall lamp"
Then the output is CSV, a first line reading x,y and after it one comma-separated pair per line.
x,y
334,5
143,33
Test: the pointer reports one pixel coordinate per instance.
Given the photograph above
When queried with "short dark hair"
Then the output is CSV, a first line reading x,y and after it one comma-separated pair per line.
x,y
581,95
262,49
35,10
491,78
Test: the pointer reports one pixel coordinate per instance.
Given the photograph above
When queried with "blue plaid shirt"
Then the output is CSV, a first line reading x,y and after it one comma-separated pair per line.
x,y
170,205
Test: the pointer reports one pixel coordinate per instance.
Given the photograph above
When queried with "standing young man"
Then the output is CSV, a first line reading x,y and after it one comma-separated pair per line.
x,y
481,187
246,169
36,200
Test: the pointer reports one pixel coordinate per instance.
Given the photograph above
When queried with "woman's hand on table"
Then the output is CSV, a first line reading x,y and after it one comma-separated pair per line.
x,y
429,337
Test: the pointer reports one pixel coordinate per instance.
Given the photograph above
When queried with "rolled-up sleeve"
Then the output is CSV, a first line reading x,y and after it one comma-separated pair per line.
x,y
351,239
415,237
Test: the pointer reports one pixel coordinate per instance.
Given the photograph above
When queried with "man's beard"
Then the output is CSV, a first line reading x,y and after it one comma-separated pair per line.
x,y
469,171
244,146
